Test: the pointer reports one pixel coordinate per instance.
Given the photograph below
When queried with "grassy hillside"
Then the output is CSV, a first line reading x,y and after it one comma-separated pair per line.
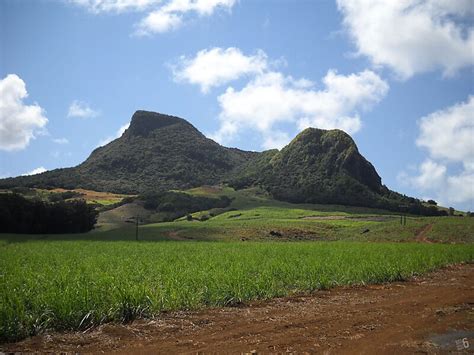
x,y
254,216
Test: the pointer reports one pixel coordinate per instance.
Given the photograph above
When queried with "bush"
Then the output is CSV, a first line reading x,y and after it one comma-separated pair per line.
x,y
179,204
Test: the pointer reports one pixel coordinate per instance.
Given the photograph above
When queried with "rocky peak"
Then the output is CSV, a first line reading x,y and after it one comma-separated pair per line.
x,y
144,122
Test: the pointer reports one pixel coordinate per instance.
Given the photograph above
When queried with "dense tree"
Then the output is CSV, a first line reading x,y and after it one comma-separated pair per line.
x,y
32,216
179,204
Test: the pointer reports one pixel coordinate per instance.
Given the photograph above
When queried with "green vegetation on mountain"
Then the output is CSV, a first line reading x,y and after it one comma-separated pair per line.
x,y
156,153
324,167
159,153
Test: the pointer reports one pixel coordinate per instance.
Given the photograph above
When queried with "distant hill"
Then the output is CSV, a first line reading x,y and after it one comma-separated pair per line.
x,y
160,152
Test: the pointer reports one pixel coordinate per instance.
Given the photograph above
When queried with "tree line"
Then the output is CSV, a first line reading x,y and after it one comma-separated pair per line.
x,y
32,216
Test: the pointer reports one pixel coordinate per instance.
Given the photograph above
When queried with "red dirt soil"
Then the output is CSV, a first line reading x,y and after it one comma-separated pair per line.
x,y
430,314
422,235
94,195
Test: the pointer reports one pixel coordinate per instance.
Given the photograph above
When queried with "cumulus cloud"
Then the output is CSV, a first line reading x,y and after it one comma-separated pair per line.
x,y
160,15
447,135
433,178
432,175
275,139
18,122
118,134
98,6
272,98
39,170
412,36
81,109
158,22
172,14
217,66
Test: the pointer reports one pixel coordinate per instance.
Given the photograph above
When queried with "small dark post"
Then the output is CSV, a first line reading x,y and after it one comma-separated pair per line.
x,y
136,229
403,218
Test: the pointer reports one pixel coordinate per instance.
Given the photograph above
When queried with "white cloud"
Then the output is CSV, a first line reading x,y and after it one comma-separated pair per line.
x,y
161,15
39,170
202,7
433,177
81,109
172,14
275,139
448,137
218,66
412,36
158,22
272,98
98,6
449,134
18,122
460,188
60,140
119,133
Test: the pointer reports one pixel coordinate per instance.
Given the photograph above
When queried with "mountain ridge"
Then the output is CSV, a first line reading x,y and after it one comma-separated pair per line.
x,y
160,152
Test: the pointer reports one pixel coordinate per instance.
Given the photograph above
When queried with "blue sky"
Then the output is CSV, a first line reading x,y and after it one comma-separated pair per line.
x,y
397,76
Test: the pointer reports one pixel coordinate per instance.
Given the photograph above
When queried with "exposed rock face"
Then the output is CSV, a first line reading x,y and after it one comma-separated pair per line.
x,y
145,122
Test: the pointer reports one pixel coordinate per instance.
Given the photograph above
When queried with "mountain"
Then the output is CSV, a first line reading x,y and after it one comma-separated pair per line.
x,y
318,166
156,152
160,152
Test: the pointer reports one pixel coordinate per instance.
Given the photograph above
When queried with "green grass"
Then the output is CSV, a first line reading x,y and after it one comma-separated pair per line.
x,y
255,197
105,202
257,223
67,285
69,282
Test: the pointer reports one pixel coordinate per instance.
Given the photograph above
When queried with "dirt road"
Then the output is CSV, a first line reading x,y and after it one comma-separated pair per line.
x,y
432,314
422,235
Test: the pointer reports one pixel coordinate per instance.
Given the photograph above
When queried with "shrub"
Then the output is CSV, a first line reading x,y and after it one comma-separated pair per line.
x,y
179,204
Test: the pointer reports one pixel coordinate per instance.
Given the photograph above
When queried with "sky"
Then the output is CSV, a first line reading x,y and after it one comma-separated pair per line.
x,y
396,75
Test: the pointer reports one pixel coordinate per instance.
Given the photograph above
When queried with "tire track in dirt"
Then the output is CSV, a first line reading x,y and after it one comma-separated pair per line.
x,y
422,235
